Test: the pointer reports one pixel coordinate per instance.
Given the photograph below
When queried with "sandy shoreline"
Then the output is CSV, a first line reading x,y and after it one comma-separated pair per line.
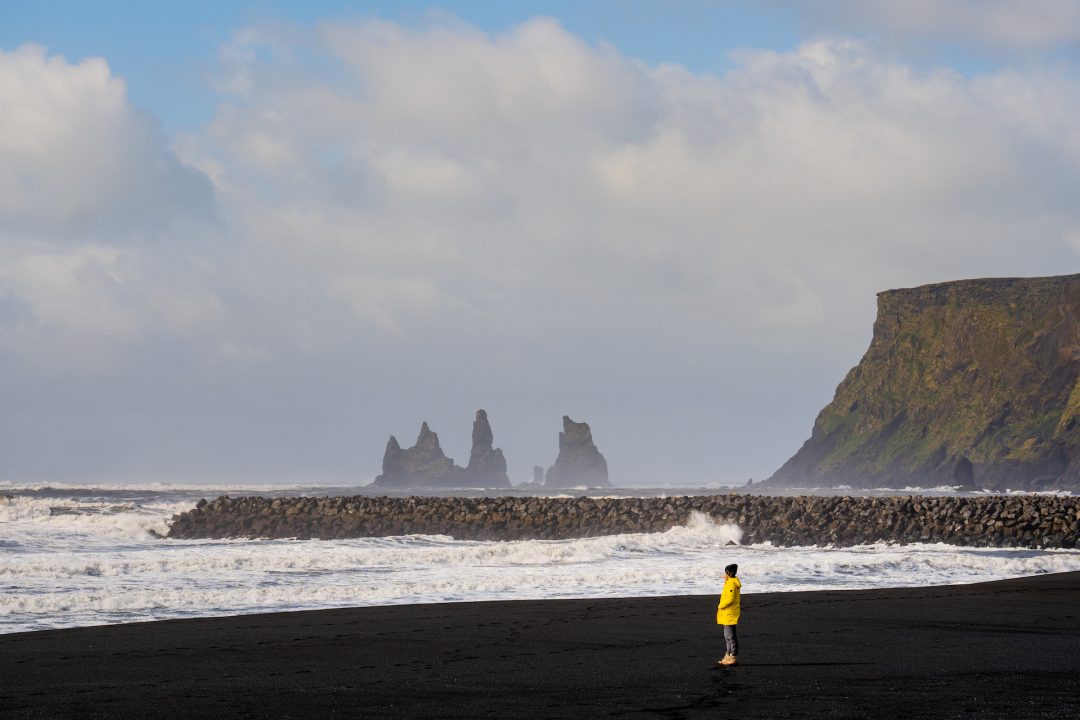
x,y
999,649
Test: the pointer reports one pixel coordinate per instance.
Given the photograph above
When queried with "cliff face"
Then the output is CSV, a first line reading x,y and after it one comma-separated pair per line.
x,y
980,370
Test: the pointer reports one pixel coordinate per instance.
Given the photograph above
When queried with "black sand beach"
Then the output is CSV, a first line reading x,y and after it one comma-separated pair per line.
x,y
1001,649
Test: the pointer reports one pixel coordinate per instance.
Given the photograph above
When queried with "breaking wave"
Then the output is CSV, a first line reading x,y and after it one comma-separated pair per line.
x,y
93,560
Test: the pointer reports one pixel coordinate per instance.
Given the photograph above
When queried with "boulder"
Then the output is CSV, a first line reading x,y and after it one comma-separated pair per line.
x,y
580,462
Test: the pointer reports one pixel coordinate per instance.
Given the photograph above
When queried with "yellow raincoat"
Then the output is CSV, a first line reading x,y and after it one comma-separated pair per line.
x,y
728,611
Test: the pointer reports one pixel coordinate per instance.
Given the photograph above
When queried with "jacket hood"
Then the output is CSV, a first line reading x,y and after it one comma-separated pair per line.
x,y
738,583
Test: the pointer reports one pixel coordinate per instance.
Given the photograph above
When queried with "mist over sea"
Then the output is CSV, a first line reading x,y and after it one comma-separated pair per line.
x,y
73,556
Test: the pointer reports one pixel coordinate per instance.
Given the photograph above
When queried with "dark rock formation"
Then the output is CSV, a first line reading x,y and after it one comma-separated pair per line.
x,y
537,481
579,462
963,473
986,370
425,465
985,521
487,466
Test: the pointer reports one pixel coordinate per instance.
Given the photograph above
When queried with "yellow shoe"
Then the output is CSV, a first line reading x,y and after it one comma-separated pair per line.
x,y
729,660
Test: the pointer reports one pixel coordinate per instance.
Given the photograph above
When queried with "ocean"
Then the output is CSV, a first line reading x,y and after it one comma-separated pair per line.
x,y
74,556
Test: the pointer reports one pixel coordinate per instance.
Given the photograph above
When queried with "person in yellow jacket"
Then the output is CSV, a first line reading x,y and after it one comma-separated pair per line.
x,y
727,614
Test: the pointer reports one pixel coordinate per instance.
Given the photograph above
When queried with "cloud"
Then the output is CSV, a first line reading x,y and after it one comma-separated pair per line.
x,y
90,195
989,25
72,293
426,174
542,210
77,158
417,221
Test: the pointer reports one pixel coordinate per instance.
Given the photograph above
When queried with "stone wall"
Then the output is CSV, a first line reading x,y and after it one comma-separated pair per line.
x,y
999,521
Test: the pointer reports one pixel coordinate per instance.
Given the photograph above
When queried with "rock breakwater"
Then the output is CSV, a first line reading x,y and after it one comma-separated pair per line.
x,y
991,521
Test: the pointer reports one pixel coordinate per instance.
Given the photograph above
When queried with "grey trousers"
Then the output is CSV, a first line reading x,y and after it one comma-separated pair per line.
x,y
731,639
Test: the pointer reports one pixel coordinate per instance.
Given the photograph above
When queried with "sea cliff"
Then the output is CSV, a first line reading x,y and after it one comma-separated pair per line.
x,y
985,372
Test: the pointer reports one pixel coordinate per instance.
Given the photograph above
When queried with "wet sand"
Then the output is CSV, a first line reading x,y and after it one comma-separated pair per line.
x,y
1001,649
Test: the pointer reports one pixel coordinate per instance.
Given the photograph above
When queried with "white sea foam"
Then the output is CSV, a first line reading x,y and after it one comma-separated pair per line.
x,y
58,520
84,561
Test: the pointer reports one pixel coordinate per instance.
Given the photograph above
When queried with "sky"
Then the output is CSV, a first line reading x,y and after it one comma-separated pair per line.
x,y
246,242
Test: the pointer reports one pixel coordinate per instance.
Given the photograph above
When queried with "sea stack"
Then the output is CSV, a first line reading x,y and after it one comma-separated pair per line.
x,y
487,466
423,465
967,382
580,462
